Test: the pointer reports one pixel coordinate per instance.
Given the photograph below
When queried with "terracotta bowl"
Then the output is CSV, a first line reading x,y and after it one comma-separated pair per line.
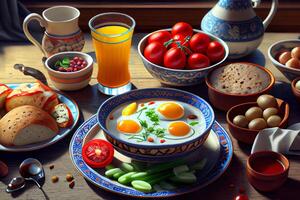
x,y
295,91
224,101
246,135
267,182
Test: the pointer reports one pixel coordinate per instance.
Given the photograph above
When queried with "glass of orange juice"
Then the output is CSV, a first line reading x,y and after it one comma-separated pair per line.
x,y
112,35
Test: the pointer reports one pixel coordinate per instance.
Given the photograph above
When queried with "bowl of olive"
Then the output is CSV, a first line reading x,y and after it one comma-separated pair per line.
x,y
247,119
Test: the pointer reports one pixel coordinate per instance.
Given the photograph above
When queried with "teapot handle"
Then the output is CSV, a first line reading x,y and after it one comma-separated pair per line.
x,y
43,23
271,14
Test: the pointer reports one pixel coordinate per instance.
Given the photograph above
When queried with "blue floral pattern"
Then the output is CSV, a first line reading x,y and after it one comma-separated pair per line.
x,y
233,31
235,4
112,186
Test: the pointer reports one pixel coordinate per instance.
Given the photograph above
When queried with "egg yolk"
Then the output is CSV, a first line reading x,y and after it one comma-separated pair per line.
x,y
128,126
171,110
179,128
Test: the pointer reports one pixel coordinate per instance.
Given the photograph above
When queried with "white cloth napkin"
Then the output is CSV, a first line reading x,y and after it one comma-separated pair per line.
x,y
285,141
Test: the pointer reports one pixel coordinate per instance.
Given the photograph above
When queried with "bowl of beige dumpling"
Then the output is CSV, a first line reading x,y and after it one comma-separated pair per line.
x,y
247,119
285,56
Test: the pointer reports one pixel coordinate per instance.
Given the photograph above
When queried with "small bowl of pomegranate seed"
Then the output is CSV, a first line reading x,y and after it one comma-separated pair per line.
x,y
70,70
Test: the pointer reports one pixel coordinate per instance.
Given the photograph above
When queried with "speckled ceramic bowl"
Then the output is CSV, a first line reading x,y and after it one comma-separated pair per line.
x,y
176,77
279,47
159,151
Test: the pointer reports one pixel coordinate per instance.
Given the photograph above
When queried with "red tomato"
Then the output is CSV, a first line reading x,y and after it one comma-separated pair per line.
x,y
160,36
98,153
215,51
198,61
183,29
241,197
174,58
154,52
199,42
183,40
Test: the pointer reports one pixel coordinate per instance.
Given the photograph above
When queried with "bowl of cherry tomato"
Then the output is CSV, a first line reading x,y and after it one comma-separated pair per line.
x,y
181,55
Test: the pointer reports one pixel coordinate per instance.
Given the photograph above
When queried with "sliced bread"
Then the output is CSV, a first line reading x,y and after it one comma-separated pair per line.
x,y
26,125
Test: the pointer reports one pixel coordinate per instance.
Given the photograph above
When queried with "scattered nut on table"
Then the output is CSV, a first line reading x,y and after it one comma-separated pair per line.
x,y
69,177
72,184
54,179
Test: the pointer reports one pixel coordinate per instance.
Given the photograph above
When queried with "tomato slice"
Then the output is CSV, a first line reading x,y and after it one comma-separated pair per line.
x,y
98,153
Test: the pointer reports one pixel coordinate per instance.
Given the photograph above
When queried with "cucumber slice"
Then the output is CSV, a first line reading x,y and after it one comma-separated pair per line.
x,y
139,176
118,174
142,186
111,172
126,178
108,167
167,186
185,177
180,169
127,167
199,165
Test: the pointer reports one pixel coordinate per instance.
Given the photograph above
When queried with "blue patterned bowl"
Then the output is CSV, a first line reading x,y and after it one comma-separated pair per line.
x,y
279,47
176,77
163,151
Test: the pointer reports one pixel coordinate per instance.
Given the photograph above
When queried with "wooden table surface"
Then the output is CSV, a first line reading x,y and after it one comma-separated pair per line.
x,y
89,99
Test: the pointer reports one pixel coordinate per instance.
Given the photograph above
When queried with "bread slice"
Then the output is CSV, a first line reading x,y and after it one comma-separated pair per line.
x,y
26,125
4,92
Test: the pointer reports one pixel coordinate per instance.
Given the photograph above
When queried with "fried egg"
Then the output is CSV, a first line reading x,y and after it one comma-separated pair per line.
x,y
179,128
170,111
128,126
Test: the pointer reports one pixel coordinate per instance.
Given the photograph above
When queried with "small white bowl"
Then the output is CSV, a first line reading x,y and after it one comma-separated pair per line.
x,y
279,47
70,81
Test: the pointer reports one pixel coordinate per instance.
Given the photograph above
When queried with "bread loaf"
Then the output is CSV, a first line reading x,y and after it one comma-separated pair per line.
x,y
26,125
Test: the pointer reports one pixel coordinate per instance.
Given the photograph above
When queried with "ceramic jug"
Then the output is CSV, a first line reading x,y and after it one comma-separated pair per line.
x,y
236,23
62,31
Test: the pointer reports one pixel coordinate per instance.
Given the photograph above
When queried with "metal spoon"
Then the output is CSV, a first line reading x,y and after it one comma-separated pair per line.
x,y
15,184
31,169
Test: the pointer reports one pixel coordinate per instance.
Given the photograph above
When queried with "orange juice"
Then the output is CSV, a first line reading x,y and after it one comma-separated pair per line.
x,y
112,46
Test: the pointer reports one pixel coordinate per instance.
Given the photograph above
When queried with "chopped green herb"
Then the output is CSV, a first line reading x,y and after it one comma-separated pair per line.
x,y
193,123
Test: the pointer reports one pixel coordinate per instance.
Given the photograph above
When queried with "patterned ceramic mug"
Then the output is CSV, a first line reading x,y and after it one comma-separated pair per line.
x,y
62,31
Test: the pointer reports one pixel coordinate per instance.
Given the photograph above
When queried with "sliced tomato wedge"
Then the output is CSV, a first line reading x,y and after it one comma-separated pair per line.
x,y
98,153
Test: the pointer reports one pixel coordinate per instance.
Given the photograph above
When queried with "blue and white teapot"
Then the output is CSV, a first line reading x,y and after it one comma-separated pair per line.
x,y
236,23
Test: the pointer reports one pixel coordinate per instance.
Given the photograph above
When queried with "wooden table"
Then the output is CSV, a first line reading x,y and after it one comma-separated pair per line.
x,y
89,100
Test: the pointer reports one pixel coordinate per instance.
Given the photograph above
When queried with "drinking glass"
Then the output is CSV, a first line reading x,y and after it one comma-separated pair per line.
x,y
112,35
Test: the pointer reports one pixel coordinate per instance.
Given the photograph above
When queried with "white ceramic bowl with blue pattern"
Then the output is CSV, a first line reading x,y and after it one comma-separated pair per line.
x,y
279,47
163,151
176,77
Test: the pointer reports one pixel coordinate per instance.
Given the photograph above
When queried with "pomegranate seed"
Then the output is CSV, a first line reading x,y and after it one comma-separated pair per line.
x,y
75,69
81,59
72,62
79,63
111,117
84,63
162,141
72,65
69,69
76,58
150,139
61,69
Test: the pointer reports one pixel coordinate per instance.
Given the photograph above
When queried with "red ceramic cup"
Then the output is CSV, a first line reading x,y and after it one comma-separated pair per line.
x,y
262,181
